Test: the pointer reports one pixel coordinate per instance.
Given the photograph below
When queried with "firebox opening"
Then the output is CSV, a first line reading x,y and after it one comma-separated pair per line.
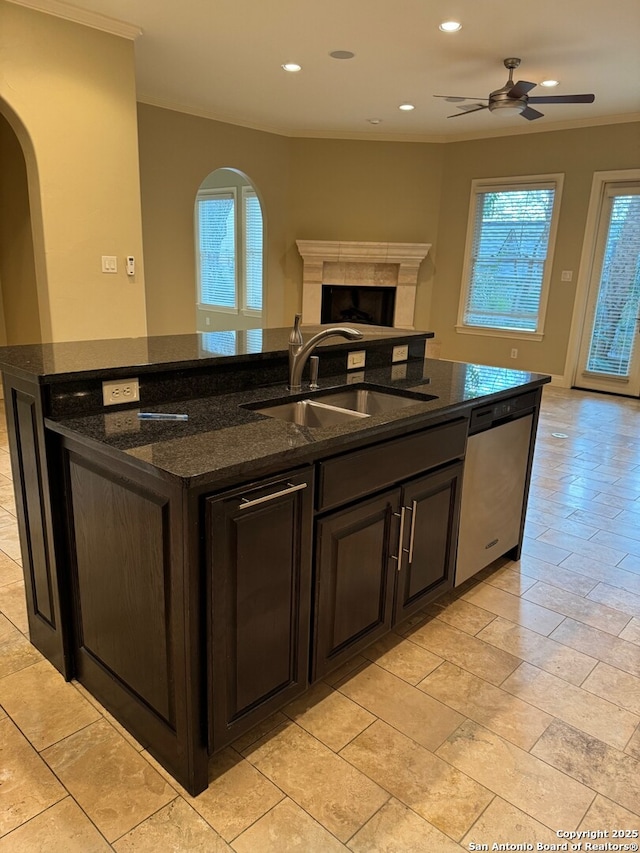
x,y
372,305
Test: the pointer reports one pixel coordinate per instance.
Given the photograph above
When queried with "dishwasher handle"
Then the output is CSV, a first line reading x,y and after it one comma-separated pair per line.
x,y
496,414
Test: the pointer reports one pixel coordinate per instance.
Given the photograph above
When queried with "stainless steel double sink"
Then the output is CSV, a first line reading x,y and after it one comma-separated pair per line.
x,y
343,405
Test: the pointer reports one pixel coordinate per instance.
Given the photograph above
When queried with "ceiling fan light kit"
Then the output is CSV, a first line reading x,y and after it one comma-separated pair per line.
x,y
514,97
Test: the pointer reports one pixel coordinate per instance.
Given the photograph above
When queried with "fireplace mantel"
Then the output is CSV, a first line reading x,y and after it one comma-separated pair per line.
x,y
353,264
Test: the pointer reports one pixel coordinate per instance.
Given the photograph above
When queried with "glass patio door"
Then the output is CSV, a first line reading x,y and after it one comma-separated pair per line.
x,y
610,347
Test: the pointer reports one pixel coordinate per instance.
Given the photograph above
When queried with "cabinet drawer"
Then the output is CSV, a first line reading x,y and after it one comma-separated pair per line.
x,y
354,475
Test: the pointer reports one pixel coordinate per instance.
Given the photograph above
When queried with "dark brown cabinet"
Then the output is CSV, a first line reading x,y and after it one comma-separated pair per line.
x,y
259,581
354,579
381,558
431,507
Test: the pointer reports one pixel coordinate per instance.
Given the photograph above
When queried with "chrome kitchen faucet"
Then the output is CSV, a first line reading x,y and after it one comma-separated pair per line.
x,y
299,352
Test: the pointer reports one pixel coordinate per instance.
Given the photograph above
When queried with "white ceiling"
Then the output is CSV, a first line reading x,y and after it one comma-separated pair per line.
x,y
222,59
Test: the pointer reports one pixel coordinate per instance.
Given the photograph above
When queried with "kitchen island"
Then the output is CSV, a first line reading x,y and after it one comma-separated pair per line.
x,y
196,575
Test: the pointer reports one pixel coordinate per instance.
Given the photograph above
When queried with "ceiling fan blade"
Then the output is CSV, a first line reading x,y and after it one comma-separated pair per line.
x,y
469,107
521,88
454,98
563,99
530,114
466,112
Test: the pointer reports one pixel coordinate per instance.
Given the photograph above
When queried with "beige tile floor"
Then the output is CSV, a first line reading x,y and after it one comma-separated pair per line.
x,y
501,714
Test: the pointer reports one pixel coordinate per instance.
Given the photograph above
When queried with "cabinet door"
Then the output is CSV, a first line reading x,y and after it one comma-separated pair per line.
x,y
431,507
354,579
259,561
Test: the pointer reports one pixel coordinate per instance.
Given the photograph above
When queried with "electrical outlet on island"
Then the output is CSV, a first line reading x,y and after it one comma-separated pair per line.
x,y
356,360
120,391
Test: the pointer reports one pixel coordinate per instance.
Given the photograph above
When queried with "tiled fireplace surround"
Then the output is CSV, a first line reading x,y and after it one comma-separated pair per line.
x,y
370,264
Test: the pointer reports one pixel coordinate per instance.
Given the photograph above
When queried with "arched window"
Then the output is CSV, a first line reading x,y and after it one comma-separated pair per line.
x,y
229,232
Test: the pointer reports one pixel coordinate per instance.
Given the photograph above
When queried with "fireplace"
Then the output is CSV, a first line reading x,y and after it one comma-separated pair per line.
x,y
350,275
359,304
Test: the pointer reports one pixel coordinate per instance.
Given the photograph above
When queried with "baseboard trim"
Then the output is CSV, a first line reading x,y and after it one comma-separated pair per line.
x,y
560,381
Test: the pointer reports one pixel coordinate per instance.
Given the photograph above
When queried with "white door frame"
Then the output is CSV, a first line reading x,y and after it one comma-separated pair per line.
x,y
600,179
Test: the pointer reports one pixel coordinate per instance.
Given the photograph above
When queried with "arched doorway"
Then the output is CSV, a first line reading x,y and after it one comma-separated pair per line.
x,y
20,310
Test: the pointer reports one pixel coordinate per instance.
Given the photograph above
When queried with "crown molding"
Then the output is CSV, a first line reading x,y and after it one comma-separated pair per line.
x,y
82,16
198,112
575,124
376,135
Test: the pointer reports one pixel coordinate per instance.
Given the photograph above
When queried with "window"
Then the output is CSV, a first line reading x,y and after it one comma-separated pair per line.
x,y
229,250
507,266
216,233
252,249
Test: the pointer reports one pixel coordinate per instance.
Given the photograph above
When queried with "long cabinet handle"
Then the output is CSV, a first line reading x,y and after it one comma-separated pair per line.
x,y
246,503
412,532
400,537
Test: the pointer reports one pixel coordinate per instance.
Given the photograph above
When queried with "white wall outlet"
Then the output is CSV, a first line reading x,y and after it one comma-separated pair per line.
x,y
356,359
399,371
120,391
566,275
400,353
131,265
354,378
514,353
109,263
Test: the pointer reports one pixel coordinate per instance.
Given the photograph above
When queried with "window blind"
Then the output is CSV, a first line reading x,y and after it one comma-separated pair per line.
x,y
252,250
509,249
216,241
614,334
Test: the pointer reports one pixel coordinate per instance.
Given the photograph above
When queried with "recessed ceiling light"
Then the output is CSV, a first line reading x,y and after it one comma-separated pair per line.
x,y
374,120
450,26
292,66
342,54
549,83
406,107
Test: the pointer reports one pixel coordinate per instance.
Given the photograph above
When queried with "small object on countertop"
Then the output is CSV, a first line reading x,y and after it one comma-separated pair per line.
x,y
161,416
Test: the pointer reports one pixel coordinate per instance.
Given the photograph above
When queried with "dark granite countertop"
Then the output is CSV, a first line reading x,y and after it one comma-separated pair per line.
x,y
223,441
60,362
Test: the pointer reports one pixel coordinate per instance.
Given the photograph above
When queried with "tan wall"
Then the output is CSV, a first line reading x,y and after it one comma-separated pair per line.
x,y
352,190
577,154
356,190
177,152
69,93
18,288
310,189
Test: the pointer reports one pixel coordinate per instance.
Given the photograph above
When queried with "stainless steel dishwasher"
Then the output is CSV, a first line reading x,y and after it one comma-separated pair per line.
x,y
493,486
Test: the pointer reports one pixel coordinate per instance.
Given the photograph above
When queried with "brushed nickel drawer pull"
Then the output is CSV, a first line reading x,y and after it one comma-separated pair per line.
x,y
412,534
246,503
399,515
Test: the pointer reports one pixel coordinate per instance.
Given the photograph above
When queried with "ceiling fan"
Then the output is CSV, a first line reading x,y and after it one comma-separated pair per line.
x,y
514,96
